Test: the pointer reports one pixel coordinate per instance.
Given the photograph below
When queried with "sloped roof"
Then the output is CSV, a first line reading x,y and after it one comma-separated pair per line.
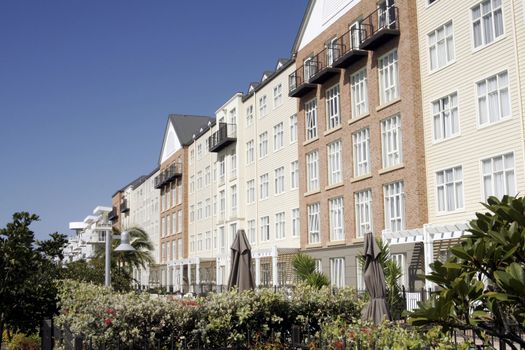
x,y
302,27
187,125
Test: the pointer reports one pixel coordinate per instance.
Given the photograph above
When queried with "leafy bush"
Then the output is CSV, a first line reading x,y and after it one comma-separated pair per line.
x,y
24,342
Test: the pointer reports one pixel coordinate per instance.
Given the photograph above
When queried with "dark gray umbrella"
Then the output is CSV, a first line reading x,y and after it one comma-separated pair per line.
x,y
241,275
376,310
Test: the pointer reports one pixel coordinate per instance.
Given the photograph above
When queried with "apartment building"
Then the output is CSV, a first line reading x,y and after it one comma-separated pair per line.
x,y
172,182
472,67
361,154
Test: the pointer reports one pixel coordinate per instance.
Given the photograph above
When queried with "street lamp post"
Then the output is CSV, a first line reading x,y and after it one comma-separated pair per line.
x,y
124,246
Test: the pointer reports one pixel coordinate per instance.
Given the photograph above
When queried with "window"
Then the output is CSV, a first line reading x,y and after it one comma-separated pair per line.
x,y
295,222
309,68
386,14
498,175
250,192
222,203
173,228
294,174
311,119
192,156
234,199
199,211
233,167
222,169
450,189
207,208
334,163
312,171
394,206
487,22
233,231
279,180
363,212
233,116
278,95
262,106
199,180
265,228
399,259
192,186
179,221
208,240
251,231
493,99
337,272
355,35
293,128
441,46
332,51
445,114
264,186
263,144
391,141
318,265
333,116
313,223
337,224
388,78
280,224
199,151
359,93
249,115
278,136
207,176
360,282
361,141
192,213
222,239
250,151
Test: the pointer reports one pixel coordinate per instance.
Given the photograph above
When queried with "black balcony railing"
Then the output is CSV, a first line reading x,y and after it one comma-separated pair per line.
x,y
322,69
113,215
299,80
225,135
348,48
124,206
169,174
379,27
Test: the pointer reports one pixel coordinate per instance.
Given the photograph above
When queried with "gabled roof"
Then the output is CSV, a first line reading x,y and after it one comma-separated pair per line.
x,y
266,75
302,27
253,86
281,65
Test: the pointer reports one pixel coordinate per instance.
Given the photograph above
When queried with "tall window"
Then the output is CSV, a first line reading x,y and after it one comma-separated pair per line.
x,y
199,180
441,46
293,128
332,51
264,186
207,176
498,175
265,228
222,168
192,214
278,136
295,223
249,115
250,151
334,162
487,22
450,189
388,77
280,224
337,272
312,171
279,180
394,206
359,93
493,99
262,106
391,141
355,35
311,119
294,174
263,144
337,224
333,115
446,120
399,259
207,208
251,231
278,95
179,221
233,167
222,203
361,147
363,212
386,13
250,192
313,223
192,186
234,199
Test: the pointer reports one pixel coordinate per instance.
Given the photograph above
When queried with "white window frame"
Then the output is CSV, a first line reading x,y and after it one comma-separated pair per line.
x,y
333,109
263,108
394,201
264,186
279,181
335,166
312,171
449,187
263,144
391,142
502,91
337,219
388,68
296,223
311,124
314,224
445,117
337,272
251,231
250,191
495,172
278,95
280,225
363,212
361,152
249,115
441,38
293,128
294,174
250,152
359,93
278,136
483,19
265,228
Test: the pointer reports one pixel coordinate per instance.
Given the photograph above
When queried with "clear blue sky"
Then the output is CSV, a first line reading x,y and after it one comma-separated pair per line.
x,y
86,87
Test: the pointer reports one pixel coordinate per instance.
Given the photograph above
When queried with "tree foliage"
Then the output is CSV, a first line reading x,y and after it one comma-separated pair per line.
x,y
304,267
482,285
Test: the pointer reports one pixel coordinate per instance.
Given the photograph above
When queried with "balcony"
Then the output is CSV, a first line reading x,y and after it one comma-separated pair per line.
x,y
348,49
300,80
379,27
112,215
225,135
124,206
322,65
169,174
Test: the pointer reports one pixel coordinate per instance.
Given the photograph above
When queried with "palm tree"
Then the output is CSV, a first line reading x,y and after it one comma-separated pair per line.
x,y
304,267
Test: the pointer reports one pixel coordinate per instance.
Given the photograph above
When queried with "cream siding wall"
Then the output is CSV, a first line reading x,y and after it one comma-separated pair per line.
x,y
471,65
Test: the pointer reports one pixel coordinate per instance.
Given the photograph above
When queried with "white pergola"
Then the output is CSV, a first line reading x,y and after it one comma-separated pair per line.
x,y
428,235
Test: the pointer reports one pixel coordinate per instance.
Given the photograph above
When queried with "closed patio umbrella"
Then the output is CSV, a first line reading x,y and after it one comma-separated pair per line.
x,y
241,275
376,310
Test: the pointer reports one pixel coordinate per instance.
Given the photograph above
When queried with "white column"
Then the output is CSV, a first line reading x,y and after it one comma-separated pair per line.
x,y
198,271
275,275
189,277
428,249
257,271
181,278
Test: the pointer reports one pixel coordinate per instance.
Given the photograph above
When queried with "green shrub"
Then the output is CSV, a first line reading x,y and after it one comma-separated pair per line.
x,y
24,342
